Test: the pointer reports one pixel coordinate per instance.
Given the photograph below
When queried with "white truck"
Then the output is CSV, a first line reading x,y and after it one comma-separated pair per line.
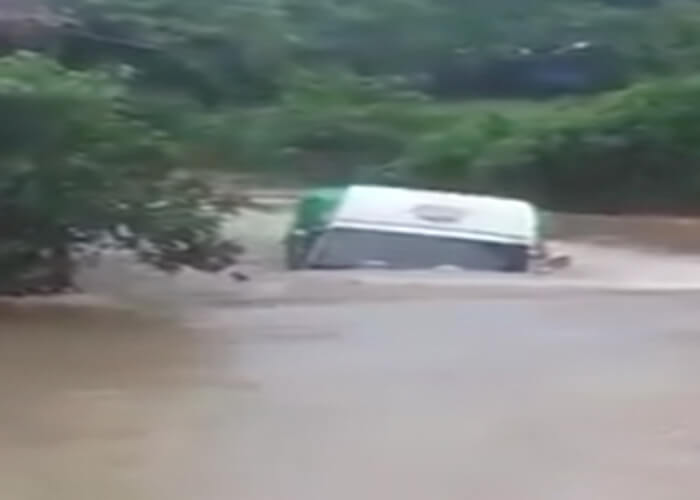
x,y
396,228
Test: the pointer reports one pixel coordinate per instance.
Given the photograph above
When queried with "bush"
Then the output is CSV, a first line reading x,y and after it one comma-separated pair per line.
x,y
634,150
327,126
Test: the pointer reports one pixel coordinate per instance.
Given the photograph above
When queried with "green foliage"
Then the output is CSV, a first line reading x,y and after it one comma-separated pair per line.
x,y
632,150
76,169
336,90
628,150
244,50
327,126
334,123
637,151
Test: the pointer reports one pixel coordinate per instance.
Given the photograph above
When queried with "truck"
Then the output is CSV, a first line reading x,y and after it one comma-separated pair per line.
x,y
366,226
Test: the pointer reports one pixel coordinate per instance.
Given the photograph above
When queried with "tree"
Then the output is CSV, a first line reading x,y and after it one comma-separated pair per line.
x,y
77,169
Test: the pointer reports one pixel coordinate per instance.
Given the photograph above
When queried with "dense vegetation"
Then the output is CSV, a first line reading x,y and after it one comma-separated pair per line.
x,y
457,93
122,106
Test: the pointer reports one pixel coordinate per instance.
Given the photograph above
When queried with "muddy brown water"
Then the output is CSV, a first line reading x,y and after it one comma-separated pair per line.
x,y
450,391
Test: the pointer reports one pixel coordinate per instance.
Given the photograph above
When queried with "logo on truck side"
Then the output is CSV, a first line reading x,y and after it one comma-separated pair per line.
x,y
439,214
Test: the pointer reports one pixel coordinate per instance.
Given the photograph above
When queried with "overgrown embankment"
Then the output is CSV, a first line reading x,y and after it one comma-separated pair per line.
x,y
634,150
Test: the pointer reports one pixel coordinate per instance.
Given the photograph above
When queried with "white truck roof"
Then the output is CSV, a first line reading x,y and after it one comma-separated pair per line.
x,y
438,214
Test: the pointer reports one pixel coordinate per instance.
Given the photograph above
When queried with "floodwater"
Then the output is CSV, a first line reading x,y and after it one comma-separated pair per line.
x,y
360,386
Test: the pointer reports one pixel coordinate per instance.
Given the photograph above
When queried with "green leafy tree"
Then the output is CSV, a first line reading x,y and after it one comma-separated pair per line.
x,y
76,169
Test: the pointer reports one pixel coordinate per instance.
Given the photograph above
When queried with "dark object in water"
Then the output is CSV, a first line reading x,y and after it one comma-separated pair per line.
x,y
551,264
559,262
239,276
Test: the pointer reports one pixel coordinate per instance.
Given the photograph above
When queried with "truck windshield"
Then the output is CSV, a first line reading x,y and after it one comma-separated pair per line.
x,y
352,248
